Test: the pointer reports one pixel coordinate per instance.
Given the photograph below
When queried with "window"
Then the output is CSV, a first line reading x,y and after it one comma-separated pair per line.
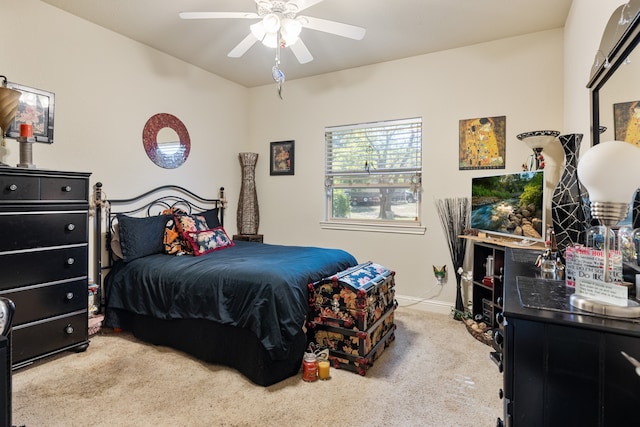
x,y
373,172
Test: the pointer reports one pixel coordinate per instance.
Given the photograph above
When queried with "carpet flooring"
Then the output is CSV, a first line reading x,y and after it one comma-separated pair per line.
x,y
434,374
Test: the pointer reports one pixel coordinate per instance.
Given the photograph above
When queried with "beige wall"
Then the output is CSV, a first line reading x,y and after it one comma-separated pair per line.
x,y
108,86
520,78
583,31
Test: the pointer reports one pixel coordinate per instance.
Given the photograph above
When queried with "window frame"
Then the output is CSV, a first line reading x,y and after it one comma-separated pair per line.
x,y
411,173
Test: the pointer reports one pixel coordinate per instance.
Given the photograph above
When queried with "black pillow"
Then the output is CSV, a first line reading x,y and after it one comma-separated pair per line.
x,y
211,216
141,236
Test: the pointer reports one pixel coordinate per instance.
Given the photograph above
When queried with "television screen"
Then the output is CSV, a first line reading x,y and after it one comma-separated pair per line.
x,y
509,204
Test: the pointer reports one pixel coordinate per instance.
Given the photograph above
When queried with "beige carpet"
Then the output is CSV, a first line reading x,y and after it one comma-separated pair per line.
x,y
433,374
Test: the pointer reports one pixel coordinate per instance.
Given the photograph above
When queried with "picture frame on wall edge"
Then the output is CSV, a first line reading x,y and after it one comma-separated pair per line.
x,y
282,158
35,107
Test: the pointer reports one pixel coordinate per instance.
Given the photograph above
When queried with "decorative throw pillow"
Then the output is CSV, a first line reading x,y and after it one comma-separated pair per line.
x,y
141,236
189,224
173,243
212,217
116,247
203,242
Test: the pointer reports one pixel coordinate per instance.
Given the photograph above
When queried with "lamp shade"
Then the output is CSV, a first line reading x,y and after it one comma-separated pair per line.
x,y
258,30
291,29
271,23
610,171
539,138
8,107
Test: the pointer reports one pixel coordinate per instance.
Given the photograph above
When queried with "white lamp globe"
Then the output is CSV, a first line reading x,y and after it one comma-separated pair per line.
x,y
291,29
610,171
258,30
271,23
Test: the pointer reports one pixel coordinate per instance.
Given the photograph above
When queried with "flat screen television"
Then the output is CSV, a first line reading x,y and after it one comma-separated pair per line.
x,y
511,204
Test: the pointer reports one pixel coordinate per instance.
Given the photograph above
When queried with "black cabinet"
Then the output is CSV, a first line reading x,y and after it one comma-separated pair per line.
x,y
488,263
44,259
564,367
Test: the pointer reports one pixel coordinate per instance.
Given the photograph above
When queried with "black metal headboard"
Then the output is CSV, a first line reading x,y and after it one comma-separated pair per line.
x,y
153,202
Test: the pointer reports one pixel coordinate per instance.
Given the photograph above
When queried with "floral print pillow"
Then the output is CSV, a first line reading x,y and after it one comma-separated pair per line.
x,y
205,241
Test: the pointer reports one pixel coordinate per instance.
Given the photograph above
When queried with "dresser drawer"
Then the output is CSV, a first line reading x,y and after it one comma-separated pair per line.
x,y
41,338
54,188
38,302
37,230
64,188
41,266
19,187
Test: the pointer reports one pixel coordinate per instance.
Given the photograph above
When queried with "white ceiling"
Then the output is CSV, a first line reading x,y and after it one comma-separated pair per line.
x,y
395,29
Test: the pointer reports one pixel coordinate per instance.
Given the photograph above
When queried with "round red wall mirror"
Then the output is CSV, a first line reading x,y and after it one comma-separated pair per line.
x,y
166,140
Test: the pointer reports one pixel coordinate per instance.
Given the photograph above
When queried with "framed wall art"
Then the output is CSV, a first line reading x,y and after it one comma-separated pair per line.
x,y
36,108
482,143
626,120
282,157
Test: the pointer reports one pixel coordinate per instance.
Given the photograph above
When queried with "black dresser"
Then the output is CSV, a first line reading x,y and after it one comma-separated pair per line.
x,y
44,260
562,366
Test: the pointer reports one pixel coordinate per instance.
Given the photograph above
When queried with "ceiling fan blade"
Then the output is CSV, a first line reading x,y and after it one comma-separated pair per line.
x,y
333,27
218,15
305,4
242,47
301,52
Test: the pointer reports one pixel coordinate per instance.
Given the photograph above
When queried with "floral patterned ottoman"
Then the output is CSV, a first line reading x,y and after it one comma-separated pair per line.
x,y
351,314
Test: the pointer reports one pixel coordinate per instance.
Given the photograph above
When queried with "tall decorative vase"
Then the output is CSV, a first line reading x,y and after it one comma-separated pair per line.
x,y
248,215
568,203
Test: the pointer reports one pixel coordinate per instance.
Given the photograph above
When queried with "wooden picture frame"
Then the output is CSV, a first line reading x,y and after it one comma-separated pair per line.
x,y
282,158
35,107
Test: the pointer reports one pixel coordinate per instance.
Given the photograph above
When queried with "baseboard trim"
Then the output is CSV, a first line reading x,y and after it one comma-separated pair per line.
x,y
424,304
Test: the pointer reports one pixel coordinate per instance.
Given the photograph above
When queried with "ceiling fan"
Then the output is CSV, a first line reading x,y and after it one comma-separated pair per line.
x,y
279,26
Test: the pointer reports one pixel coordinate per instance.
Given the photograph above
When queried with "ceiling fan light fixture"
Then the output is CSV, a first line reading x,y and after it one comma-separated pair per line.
x,y
271,23
290,30
258,30
270,40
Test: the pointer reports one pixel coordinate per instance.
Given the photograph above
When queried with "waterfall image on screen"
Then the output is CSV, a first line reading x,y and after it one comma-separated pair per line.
x,y
509,204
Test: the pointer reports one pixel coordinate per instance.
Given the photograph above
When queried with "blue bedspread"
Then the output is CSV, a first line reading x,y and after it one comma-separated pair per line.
x,y
256,286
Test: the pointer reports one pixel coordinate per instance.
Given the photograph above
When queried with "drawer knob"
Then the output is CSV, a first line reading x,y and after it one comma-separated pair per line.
x,y
69,295
13,187
69,329
66,188
70,261
71,227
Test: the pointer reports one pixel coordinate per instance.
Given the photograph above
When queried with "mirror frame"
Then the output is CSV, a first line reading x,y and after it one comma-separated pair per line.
x,y
607,60
150,140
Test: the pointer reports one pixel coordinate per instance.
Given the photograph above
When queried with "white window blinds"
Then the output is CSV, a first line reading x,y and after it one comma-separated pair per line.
x,y
387,154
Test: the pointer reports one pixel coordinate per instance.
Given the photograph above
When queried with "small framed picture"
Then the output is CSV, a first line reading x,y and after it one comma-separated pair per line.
x,y
35,107
282,156
626,120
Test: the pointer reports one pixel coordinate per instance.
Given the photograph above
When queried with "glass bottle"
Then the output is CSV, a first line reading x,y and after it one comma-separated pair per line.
x,y
595,237
636,243
626,243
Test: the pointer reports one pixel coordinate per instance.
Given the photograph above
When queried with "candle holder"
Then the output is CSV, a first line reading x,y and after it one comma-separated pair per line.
x,y
26,152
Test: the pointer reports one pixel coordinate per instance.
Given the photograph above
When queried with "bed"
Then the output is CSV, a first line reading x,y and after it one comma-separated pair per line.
x,y
241,304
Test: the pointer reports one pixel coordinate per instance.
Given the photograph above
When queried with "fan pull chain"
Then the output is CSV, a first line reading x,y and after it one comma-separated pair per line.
x,y
276,72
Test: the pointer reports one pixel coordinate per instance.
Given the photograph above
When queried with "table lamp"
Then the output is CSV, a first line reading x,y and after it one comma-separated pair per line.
x,y
610,171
